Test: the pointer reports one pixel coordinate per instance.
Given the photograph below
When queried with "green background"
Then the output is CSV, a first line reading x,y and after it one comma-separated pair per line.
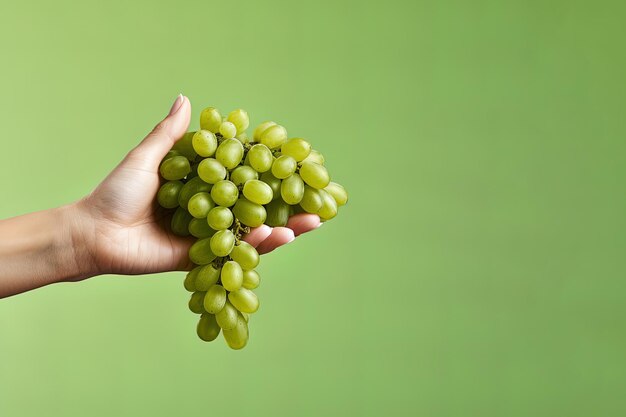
x,y
478,269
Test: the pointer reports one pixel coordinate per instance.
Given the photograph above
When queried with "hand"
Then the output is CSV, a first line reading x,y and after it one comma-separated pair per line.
x,y
124,230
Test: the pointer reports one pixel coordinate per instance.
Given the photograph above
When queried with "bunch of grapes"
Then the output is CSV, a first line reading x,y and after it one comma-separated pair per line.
x,y
222,183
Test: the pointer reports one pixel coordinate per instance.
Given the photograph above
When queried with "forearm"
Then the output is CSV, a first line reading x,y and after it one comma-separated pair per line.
x,y
41,248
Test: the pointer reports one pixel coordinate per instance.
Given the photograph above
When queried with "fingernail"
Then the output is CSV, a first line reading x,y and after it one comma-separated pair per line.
x,y
177,103
292,239
320,225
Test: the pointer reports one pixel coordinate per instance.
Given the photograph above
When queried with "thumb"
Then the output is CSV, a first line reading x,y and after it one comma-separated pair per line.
x,y
149,153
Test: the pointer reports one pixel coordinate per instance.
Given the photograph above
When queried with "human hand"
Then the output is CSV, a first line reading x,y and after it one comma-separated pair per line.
x,y
123,229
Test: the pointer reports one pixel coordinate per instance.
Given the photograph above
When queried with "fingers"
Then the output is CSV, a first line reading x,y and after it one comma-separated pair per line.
x,y
258,235
148,154
280,236
303,222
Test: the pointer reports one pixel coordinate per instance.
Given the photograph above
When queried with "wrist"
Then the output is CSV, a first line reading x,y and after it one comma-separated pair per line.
x,y
74,246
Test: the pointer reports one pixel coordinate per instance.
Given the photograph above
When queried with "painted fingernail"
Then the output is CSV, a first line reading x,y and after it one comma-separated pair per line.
x,y
177,103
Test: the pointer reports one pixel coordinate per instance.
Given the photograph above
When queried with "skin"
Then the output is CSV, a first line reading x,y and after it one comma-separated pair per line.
x,y
118,228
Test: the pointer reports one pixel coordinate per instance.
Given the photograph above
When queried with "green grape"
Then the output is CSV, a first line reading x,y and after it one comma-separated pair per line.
x,y
180,222
258,192
191,188
184,146
243,138
292,189
240,119
168,194
277,213
210,119
251,279
245,316
207,276
231,276
211,171
297,148
274,136
229,153
224,193
228,130
200,252
190,279
242,174
244,300
329,206
338,192
311,200
222,242
245,255
260,158
284,166
220,218
273,182
314,174
215,299
196,302
208,329
249,213
227,317
315,156
237,338
170,154
175,168
199,205
204,143
200,229
260,129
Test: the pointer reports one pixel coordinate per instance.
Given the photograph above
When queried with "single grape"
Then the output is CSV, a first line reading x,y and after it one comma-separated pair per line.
x,y
237,338
243,138
207,276
244,300
251,279
200,252
297,148
249,213
211,171
215,299
170,154
210,119
175,168
260,158
284,166
315,157
204,143
208,329
242,174
220,218
191,188
277,213
184,146
231,276
190,279
199,205
260,129
311,200
228,130
196,302
274,136
224,193
245,316
314,174
329,206
292,189
229,153
240,119
258,192
222,242
227,317
200,229
273,182
245,255
180,222
168,194
338,192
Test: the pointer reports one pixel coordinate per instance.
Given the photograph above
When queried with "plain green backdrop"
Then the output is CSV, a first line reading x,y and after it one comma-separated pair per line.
x,y
478,270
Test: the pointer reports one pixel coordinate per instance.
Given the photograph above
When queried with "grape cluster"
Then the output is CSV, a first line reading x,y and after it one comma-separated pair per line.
x,y
221,183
